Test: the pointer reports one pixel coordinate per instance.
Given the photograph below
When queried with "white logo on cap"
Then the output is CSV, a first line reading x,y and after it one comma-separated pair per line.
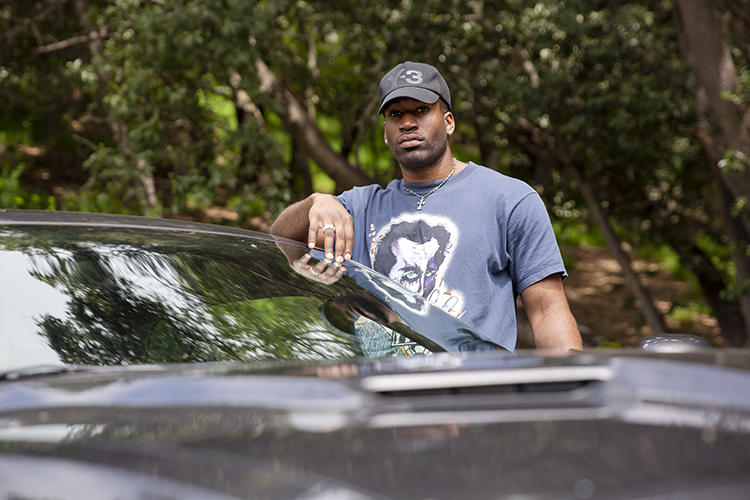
x,y
412,76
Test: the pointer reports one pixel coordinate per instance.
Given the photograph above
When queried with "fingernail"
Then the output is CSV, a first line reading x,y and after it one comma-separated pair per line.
x,y
347,256
329,256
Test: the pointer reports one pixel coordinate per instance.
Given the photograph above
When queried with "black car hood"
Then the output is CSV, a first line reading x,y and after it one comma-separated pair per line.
x,y
587,425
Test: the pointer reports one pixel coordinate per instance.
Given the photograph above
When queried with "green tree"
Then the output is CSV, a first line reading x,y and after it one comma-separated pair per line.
x,y
720,58
189,108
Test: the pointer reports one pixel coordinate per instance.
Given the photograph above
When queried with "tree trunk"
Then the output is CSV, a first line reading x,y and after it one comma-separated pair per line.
x,y
542,147
727,313
716,73
704,48
653,317
306,132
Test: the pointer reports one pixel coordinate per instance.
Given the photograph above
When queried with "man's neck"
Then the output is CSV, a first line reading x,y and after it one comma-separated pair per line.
x,y
429,173
436,172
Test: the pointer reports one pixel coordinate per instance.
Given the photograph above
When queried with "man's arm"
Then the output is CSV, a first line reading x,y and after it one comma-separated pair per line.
x,y
305,221
552,323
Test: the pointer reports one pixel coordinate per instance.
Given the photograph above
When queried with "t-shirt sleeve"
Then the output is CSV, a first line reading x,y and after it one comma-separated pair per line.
x,y
532,246
346,199
356,201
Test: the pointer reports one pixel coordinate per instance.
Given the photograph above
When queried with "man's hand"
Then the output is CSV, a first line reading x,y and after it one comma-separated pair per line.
x,y
320,221
330,227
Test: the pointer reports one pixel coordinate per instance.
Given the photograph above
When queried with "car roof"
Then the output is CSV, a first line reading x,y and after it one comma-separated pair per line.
x,y
58,218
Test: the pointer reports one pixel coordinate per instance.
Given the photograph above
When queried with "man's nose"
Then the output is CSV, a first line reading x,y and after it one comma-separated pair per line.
x,y
408,122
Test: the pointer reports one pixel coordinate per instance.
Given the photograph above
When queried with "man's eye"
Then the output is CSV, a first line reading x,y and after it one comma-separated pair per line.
x,y
395,114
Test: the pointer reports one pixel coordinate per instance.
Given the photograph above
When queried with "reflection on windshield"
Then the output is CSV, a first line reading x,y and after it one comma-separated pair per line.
x,y
135,296
154,304
365,318
194,311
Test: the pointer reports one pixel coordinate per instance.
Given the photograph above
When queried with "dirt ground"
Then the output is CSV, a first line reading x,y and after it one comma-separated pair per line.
x,y
605,309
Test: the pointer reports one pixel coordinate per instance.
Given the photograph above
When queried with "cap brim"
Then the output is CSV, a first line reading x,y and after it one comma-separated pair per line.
x,y
420,94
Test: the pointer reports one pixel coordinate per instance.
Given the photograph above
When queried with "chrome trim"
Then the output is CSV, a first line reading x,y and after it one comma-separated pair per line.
x,y
446,380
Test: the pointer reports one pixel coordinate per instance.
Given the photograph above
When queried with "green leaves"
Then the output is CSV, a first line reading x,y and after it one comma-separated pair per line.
x,y
157,107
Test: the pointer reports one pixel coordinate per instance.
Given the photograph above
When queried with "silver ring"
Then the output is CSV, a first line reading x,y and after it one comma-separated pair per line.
x,y
329,226
312,270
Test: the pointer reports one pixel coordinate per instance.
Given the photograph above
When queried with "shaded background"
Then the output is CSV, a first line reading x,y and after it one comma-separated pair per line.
x,y
630,118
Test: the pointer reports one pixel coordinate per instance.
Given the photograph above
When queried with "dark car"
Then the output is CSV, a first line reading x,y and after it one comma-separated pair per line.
x,y
155,359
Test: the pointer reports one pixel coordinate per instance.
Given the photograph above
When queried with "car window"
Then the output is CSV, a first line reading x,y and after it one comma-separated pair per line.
x,y
125,295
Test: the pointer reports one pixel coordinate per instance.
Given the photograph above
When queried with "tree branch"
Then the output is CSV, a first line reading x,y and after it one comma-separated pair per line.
x,y
555,149
11,35
307,133
64,44
716,73
528,66
85,142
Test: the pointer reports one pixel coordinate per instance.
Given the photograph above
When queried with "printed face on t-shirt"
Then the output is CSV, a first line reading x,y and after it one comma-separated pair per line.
x,y
415,266
414,250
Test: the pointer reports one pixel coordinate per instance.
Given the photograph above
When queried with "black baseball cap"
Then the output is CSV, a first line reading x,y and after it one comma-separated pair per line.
x,y
419,81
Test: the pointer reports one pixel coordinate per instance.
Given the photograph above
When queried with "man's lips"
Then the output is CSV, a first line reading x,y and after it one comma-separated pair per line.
x,y
412,140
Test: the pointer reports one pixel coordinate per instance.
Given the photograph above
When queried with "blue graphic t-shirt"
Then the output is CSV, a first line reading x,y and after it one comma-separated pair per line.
x,y
477,243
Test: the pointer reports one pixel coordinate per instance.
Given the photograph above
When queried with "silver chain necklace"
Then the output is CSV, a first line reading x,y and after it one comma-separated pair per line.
x,y
420,203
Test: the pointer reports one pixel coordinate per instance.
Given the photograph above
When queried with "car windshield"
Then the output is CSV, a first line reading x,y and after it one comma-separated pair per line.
x,y
110,294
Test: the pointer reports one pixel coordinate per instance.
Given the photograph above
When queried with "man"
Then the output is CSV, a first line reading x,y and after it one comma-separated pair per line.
x,y
500,238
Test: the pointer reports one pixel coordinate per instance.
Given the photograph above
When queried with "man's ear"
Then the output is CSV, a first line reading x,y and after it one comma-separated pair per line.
x,y
450,123
385,137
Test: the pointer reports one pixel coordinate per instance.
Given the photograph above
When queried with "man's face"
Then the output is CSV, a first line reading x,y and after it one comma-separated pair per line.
x,y
415,266
416,132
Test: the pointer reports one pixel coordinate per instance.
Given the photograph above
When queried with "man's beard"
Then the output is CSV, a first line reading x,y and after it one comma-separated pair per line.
x,y
421,157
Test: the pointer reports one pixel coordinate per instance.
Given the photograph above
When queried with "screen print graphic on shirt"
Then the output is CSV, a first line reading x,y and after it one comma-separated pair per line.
x,y
416,251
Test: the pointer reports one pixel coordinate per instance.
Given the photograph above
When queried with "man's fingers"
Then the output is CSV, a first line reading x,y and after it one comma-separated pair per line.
x,y
348,238
344,240
337,240
331,228
329,232
312,236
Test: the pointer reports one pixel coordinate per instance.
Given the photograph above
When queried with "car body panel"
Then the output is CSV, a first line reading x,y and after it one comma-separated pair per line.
x,y
632,428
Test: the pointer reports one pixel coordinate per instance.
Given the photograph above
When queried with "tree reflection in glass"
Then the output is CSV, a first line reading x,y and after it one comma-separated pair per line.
x,y
130,304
